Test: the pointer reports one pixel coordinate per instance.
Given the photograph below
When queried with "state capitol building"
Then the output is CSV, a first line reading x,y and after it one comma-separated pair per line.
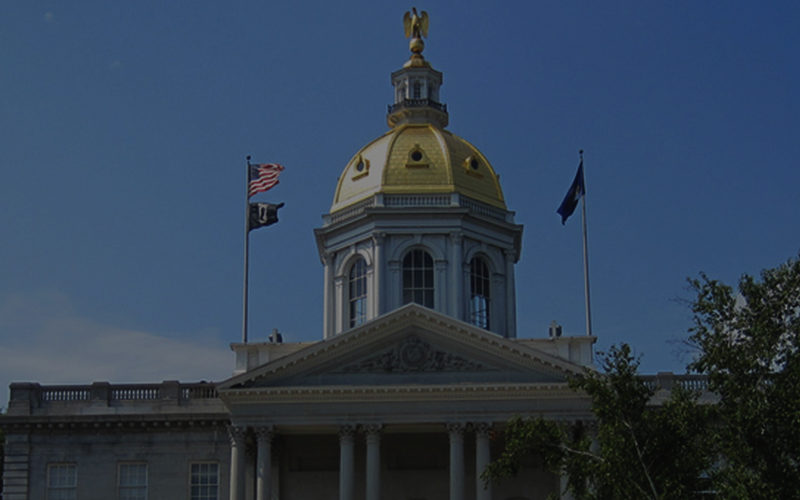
x,y
404,397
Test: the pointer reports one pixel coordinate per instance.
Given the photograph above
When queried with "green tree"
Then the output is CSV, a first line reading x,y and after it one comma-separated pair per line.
x,y
748,343
636,451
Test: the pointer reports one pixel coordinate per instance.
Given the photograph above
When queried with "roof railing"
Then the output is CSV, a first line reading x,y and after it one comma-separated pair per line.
x,y
38,394
417,103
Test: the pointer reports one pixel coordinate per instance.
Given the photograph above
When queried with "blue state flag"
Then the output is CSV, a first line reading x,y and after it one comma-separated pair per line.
x,y
576,191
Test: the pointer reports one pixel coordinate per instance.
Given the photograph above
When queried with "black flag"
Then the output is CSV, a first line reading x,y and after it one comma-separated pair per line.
x,y
262,214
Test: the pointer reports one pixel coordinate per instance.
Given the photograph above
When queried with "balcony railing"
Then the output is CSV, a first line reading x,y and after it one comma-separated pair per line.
x,y
449,200
417,103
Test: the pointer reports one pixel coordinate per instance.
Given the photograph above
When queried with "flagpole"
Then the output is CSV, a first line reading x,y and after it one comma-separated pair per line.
x,y
585,255
246,249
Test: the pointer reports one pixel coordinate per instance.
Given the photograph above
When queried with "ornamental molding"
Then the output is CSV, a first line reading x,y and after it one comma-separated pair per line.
x,y
413,355
112,423
416,393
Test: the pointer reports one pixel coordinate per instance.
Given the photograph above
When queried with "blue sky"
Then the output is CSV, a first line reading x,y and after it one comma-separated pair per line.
x,y
124,127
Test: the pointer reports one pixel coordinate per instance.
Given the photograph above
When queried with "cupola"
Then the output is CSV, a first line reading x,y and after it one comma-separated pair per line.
x,y
418,215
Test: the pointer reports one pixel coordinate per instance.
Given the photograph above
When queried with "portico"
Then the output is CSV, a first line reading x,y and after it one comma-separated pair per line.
x,y
402,407
365,483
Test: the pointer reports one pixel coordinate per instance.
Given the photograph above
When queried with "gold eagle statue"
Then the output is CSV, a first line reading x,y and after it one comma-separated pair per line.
x,y
416,25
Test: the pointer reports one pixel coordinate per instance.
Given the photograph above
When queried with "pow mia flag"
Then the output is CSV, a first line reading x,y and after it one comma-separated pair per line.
x,y
262,214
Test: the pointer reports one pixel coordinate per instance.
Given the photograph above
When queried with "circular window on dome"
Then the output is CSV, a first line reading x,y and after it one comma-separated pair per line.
x,y
417,158
472,165
362,168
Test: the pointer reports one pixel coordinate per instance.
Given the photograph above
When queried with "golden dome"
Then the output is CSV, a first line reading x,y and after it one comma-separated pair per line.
x,y
418,158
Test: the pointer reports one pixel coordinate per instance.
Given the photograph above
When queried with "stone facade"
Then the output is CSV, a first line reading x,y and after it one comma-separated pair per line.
x,y
96,429
408,406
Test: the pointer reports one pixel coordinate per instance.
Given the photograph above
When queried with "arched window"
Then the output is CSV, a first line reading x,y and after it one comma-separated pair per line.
x,y
418,278
480,286
357,295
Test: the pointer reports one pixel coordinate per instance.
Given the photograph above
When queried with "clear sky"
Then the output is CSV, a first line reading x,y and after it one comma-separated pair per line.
x,y
124,128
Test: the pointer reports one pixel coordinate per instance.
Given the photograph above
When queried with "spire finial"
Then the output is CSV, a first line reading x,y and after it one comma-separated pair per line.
x,y
416,27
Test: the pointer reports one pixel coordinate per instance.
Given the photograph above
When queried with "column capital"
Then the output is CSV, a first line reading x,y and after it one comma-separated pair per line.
x,y
236,433
264,432
347,431
377,238
370,429
482,428
456,427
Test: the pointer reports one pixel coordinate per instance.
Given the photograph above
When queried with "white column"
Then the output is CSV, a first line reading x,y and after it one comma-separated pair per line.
x,y
394,299
339,304
456,432
237,435
440,303
511,296
264,463
327,301
466,300
482,459
376,299
346,459
373,462
456,285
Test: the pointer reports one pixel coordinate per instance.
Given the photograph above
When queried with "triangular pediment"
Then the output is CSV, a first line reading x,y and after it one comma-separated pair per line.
x,y
412,354
412,345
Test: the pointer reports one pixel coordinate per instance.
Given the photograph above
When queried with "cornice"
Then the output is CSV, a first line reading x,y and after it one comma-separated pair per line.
x,y
113,423
403,393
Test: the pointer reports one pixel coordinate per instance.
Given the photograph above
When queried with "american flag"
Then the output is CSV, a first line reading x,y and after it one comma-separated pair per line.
x,y
262,177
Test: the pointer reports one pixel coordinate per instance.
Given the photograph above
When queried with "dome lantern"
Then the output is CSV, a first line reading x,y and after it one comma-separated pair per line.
x,y
416,84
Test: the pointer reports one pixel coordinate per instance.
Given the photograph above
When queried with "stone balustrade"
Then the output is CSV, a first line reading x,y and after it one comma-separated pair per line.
x,y
668,381
29,398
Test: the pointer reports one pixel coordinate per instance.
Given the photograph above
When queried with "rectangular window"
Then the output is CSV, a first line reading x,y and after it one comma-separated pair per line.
x,y
204,481
62,481
132,480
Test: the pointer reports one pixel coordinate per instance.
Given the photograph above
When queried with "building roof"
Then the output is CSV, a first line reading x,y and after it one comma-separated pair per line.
x,y
418,158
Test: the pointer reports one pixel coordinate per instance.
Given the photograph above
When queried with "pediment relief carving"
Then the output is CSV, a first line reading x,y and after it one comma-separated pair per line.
x,y
413,355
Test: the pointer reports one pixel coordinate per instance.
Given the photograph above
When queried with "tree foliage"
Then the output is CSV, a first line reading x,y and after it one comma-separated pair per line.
x,y
636,450
748,344
747,443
